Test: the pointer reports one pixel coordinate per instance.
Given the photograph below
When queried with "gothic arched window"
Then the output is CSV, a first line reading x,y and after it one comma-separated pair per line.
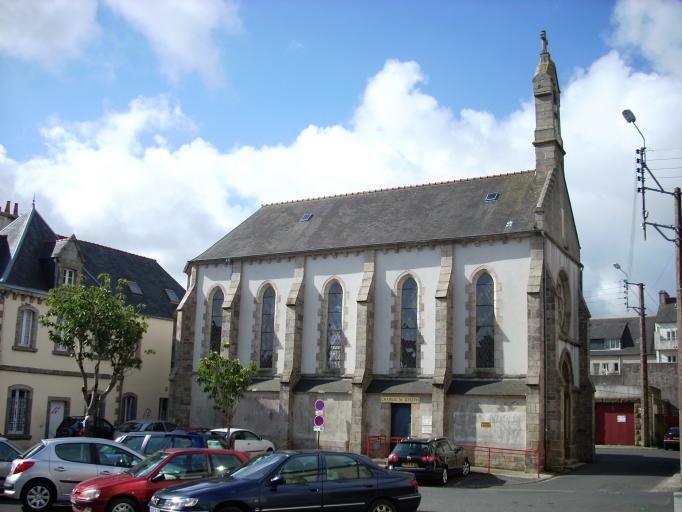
x,y
267,331
485,322
334,327
216,321
408,324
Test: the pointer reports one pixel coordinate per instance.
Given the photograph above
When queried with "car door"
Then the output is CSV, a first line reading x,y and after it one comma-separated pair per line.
x,y
112,460
458,455
445,453
348,484
302,490
252,443
71,463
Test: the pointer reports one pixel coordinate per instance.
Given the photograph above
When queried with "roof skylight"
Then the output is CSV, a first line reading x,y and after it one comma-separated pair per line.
x,y
172,296
492,196
134,288
306,217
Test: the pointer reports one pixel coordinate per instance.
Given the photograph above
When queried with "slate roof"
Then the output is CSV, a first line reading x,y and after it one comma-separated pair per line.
x,y
627,329
667,314
264,385
323,386
421,213
27,246
485,387
406,386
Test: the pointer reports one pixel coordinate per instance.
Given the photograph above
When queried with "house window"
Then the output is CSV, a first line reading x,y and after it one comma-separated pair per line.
x,y
69,276
129,409
485,322
163,408
612,344
27,328
595,368
217,321
267,331
18,411
671,334
672,359
605,367
334,327
408,324
616,367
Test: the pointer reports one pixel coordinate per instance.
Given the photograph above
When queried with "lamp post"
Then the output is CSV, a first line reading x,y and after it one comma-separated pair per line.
x,y
644,372
677,229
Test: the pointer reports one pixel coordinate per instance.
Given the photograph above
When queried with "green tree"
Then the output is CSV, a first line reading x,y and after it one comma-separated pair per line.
x,y
98,326
225,381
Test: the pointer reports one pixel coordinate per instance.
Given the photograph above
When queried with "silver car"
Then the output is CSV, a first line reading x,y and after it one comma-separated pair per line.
x,y
8,452
51,469
246,441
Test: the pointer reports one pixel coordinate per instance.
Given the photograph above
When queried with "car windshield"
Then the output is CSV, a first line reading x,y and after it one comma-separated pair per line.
x,y
675,431
411,449
255,469
148,465
130,426
70,422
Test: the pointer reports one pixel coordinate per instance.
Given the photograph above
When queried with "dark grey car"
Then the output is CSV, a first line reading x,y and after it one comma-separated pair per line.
x,y
433,458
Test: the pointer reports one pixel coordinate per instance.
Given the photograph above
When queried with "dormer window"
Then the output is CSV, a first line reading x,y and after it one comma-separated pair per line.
x,y
69,276
134,288
171,295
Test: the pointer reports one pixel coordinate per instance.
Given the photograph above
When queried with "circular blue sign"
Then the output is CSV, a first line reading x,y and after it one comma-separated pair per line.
x,y
319,405
319,421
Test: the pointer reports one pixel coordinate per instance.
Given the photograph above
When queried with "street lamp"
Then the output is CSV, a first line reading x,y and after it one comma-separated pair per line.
x,y
677,229
644,373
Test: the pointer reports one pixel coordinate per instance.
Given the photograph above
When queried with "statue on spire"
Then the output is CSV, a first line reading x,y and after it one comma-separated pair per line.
x,y
543,36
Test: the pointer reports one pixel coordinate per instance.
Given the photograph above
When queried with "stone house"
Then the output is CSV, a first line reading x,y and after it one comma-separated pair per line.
x,y
41,381
450,308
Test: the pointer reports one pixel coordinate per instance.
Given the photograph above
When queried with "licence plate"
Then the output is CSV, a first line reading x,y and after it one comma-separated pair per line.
x,y
154,509
676,438
410,464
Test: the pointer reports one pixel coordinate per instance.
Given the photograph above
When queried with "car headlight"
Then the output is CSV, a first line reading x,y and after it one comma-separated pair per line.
x,y
92,493
179,501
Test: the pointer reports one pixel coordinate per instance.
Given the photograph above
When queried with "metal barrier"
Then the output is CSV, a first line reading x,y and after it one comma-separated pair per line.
x,y
376,439
504,451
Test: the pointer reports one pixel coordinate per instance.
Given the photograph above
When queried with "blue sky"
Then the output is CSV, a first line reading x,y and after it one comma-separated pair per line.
x,y
156,127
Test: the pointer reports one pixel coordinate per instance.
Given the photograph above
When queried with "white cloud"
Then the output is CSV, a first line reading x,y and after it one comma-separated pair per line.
x,y
174,202
180,32
47,31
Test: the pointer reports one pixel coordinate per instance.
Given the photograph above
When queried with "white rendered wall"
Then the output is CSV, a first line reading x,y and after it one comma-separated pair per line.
x,y
424,265
509,265
320,271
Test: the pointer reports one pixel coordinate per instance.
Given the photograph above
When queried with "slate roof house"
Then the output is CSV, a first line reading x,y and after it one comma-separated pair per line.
x,y
42,383
665,341
450,308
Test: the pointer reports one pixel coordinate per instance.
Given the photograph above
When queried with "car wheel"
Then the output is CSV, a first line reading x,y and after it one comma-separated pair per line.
x,y
444,477
381,506
38,495
466,468
269,450
122,505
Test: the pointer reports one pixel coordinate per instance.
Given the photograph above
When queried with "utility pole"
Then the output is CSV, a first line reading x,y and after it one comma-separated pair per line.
x,y
645,370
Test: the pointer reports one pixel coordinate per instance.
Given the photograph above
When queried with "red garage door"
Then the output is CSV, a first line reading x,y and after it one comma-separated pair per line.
x,y
614,424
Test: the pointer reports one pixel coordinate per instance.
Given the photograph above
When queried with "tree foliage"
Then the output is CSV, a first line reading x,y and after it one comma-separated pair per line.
x,y
97,325
225,381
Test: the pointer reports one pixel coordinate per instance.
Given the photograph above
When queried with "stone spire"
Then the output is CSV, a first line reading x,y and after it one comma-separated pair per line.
x,y
549,151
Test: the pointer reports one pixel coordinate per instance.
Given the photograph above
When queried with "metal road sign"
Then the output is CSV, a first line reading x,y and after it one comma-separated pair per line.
x,y
319,405
319,421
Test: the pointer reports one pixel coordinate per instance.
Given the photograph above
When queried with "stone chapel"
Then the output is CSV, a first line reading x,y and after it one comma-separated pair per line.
x,y
446,309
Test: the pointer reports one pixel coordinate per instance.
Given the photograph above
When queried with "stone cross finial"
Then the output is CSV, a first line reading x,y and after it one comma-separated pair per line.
x,y
543,36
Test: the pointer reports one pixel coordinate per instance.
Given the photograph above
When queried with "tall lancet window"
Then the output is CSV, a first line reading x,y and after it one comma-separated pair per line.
x,y
485,322
334,327
267,330
216,321
408,324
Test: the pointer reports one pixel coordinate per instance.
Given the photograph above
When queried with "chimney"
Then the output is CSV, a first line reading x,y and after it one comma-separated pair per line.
x,y
7,206
663,298
6,218
16,210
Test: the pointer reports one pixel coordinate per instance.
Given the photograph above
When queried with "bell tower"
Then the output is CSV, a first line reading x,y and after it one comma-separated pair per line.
x,y
549,147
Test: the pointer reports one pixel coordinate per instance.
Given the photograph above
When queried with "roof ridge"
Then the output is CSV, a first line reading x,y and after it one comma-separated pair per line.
x,y
475,178
117,250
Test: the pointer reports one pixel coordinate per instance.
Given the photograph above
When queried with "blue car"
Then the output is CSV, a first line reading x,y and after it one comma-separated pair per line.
x,y
307,480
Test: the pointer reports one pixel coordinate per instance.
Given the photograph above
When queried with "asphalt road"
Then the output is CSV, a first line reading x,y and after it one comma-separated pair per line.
x,y
621,480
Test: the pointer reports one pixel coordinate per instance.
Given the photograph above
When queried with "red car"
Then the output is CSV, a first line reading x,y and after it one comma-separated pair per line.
x,y
132,490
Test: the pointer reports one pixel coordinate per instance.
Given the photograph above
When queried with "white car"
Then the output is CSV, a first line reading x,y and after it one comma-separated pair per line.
x,y
50,470
246,441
